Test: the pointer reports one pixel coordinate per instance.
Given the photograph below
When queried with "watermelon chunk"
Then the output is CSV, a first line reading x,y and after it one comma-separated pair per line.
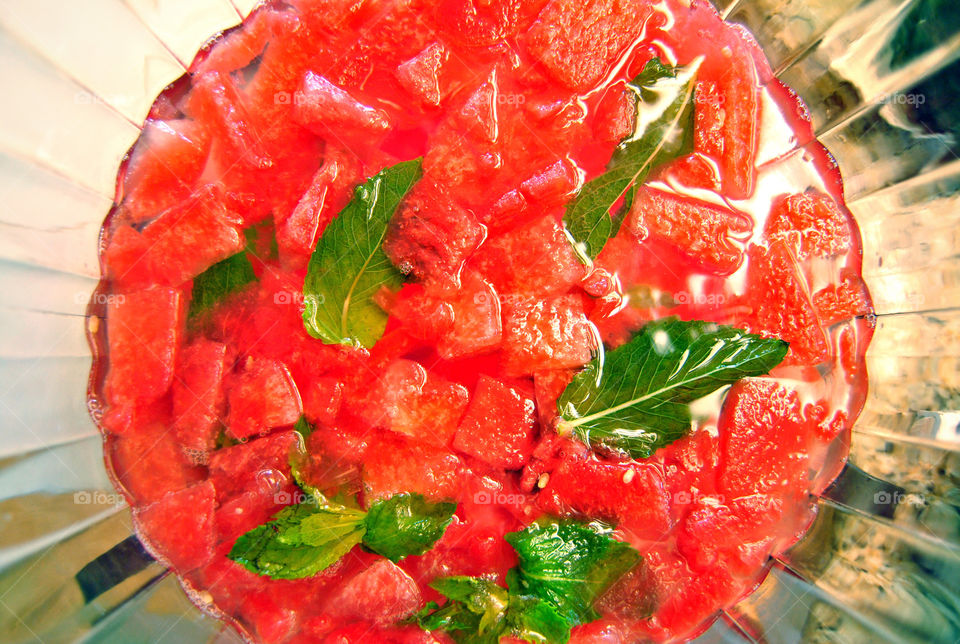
x,y
180,526
475,23
420,313
321,400
409,401
198,398
540,335
548,385
143,335
262,398
615,114
149,464
810,224
844,301
164,166
421,74
632,495
693,171
270,620
498,427
576,42
763,440
393,466
382,594
727,114
330,190
431,236
191,237
778,295
126,261
322,107
477,323
703,231
553,184
261,464
535,258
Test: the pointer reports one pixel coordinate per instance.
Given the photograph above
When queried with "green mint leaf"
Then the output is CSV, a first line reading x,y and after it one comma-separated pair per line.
x,y
568,565
406,524
636,398
220,281
534,620
480,612
348,266
663,131
300,541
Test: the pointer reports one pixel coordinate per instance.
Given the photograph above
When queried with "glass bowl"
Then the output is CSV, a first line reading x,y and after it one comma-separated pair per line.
x,y
881,561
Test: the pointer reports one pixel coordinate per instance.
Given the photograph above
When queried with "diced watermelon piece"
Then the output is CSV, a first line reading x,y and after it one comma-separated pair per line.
x,y
713,533
703,231
553,184
421,74
248,510
269,620
548,385
179,527
535,258
844,301
198,398
322,107
810,224
478,115
475,23
693,171
690,468
262,398
778,294
143,335
190,237
630,494
727,113
164,165
615,114
431,236
498,427
150,464
690,601
261,464
321,400
764,439
540,335
422,314
126,261
394,466
477,322
578,41
382,594
329,191
406,400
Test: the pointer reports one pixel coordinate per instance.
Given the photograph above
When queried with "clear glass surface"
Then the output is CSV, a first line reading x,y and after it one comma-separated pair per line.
x,y
881,561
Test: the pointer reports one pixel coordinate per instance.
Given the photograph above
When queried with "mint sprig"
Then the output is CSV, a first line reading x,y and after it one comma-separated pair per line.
x,y
305,539
637,397
348,266
663,131
219,282
564,567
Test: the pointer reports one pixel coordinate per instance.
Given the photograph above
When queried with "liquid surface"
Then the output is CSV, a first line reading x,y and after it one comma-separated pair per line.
x,y
513,107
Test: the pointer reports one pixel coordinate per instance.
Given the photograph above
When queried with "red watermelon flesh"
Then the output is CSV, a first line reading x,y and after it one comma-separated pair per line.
x,y
498,427
198,398
262,397
168,521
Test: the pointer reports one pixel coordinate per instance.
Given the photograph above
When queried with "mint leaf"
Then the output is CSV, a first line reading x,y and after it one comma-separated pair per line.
x,y
348,266
480,612
300,541
220,281
636,398
568,565
406,524
663,132
307,538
